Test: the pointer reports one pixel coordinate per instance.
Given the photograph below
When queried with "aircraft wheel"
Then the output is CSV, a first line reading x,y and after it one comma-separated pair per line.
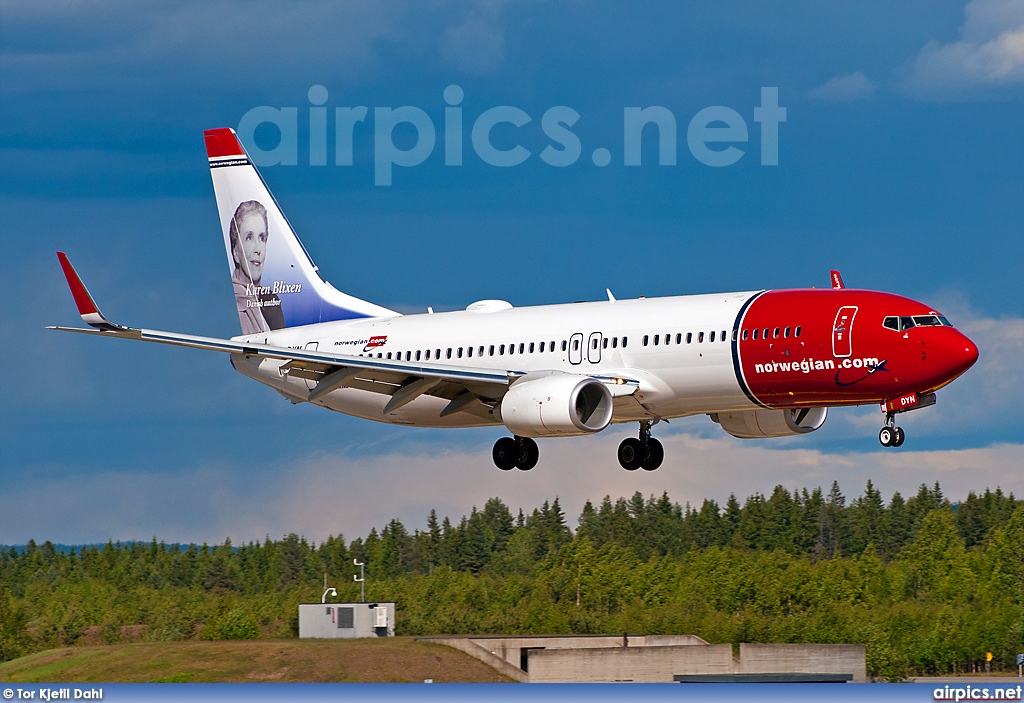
x,y
631,454
505,453
654,456
528,454
886,436
898,436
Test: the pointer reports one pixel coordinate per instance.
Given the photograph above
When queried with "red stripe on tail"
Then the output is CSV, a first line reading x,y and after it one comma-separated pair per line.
x,y
222,142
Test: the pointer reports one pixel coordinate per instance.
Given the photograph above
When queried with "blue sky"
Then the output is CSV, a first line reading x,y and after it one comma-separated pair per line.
x,y
901,162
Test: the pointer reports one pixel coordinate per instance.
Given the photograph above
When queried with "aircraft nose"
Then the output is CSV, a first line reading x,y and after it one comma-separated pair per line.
x,y
961,353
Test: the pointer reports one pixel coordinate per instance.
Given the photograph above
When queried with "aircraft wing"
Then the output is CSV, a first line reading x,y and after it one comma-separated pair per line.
x,y
474,390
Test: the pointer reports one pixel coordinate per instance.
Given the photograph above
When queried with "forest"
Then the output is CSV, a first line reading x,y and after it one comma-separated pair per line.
x,y
929,585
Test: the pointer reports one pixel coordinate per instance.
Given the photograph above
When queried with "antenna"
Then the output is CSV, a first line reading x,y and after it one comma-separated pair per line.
x,y
360,579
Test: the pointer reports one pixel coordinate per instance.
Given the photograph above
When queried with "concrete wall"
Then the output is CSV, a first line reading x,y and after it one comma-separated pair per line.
x,y
646,664
652,658
323,621
510,648
803,658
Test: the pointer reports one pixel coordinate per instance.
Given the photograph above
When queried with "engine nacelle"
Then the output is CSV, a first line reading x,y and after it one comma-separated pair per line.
x,y
557,404
755,424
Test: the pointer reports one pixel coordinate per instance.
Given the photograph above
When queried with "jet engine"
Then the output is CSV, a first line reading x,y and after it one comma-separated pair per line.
x,y
558,404
755,424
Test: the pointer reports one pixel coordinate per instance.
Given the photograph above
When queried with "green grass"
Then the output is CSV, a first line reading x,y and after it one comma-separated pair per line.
x,y
394,659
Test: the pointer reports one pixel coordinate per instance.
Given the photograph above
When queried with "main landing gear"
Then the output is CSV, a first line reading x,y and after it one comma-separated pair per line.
x,y
644,452
515,453
890,435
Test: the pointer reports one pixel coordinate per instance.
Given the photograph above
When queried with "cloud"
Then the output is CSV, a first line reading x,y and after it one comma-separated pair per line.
x,y
988,59
845,88
323,494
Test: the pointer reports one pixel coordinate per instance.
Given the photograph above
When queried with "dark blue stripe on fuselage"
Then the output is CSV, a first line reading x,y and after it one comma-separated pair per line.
x,y
736,330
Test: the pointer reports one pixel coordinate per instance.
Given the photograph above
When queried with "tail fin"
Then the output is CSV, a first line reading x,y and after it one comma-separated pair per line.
x,y
276,283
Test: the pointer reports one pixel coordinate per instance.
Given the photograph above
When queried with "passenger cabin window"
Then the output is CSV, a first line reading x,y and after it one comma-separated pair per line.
x,y
764,335
615,342
575,345
469,351
786,333
656,339
745,334
712,337
645,340
563,345
521,347
755,333
700,338
892,323
624,342
389,355
460,352
541,347
449,354
490,350
501,350
776,334
417,355
796,332
604,344
689,337
531,347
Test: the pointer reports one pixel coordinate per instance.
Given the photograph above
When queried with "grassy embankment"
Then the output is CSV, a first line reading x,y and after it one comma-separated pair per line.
x,y
397,659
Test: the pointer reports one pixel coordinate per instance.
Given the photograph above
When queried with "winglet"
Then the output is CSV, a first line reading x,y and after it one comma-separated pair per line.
x,y
837,279
87,307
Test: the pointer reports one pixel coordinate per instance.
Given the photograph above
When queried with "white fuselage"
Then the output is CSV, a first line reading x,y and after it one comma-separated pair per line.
x,y
676,378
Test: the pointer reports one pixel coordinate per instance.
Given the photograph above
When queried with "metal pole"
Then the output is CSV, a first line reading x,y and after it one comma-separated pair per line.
x,y
361,579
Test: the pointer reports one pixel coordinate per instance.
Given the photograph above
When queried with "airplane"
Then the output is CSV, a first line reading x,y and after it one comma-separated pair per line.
x,y
764,363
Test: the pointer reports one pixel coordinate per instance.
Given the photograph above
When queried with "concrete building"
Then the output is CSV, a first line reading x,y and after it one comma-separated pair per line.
x,y
346,620
658,659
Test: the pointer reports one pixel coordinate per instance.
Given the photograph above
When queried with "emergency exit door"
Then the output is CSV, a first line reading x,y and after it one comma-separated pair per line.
x,y
576,348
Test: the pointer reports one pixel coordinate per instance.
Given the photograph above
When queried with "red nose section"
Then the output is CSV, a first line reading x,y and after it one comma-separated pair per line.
x,y
967,354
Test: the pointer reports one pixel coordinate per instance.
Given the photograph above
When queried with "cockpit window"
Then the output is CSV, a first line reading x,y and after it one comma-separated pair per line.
x,y
905,323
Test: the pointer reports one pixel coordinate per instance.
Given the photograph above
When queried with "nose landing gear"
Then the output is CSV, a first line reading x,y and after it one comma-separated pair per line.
x,y
890,435
515,453
644,452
